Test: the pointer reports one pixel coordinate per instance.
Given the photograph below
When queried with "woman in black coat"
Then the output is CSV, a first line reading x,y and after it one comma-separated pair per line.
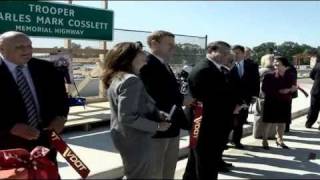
x,y
278,88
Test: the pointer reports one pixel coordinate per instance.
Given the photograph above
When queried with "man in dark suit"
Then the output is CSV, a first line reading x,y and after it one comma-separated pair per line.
x,y
248,57
315,91
248,87
209,85
33,95
162,86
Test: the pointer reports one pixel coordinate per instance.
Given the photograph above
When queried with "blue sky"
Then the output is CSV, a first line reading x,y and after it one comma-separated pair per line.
x,y
249,23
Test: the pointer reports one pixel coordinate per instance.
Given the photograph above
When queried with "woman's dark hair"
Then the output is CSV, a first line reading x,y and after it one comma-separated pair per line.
x,y
119,60
284,61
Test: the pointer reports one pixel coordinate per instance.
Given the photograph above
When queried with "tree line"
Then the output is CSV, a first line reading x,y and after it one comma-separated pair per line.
x,y
188,53
191,53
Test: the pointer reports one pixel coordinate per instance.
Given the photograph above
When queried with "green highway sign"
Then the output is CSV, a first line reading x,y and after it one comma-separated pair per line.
x,y
39,18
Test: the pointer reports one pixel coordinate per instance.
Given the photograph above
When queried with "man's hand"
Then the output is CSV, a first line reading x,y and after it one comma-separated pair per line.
x,y
25,131
163,116
285,91
57,124
237,109
20,173
294,89
188,101
163,126
253,100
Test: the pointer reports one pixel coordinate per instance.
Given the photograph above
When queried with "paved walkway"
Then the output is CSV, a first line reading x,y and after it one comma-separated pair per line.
x,y
276,163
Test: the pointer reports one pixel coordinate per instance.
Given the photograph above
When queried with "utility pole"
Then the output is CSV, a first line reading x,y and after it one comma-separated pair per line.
x,y
103,46
67,42
67,45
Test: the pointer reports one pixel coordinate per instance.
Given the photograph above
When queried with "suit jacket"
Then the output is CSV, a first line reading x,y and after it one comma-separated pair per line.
x,y
315,76
133,117
51,94
249,84
132,109
163,87
215,90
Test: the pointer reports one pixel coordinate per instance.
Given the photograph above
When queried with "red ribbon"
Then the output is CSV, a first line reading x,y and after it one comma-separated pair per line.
x,y
61,146
194,134
36,162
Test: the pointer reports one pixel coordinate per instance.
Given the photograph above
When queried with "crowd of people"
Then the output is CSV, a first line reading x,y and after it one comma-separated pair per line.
x,y
226,83
149,105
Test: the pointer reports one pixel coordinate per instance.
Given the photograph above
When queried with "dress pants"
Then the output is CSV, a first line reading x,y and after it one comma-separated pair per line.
x,y
204,160
190,172
238,126
165,157
313,110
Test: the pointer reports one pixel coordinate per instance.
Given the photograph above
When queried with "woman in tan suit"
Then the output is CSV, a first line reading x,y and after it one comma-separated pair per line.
x,y
134,116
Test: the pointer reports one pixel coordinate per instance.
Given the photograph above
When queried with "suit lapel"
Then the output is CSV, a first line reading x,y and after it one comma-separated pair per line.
x,y
170,70
214,67
6,75
163,67
10,86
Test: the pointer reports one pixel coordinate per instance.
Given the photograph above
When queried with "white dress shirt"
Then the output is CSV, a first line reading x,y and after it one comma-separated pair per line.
x,y
240,68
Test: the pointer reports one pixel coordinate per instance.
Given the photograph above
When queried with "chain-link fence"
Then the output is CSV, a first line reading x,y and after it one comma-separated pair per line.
x,y
189,49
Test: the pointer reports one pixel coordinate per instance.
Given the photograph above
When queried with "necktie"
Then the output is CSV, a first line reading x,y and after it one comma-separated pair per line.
x,y
240,70
30,105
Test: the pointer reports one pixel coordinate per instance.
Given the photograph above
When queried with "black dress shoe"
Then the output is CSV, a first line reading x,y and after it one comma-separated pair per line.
x,y
239,146
266,147
223,169
308,125
265,144
223,163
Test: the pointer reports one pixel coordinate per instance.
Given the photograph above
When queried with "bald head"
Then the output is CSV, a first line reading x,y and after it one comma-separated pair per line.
x,y
16,47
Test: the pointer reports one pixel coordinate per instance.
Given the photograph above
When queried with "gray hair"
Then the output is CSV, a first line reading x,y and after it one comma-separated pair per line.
x,y
11,35
267,60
